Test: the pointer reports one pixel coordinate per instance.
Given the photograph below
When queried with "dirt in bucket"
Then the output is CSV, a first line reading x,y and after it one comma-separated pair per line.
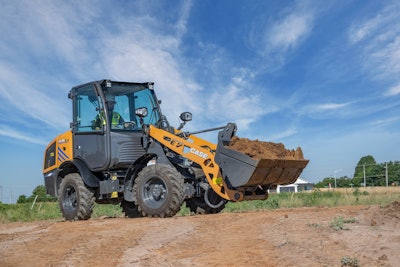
x,y
264,150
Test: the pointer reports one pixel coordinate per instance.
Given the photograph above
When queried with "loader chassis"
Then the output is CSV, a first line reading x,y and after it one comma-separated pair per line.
x,y
121,150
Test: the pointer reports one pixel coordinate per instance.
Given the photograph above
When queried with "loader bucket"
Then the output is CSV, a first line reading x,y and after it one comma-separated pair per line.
x,y
241,170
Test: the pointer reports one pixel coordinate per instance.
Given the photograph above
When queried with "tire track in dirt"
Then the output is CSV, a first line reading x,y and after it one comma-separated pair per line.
x,y
161,233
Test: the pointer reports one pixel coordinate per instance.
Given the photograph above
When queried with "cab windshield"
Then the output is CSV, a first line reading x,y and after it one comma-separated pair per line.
x,y
121,101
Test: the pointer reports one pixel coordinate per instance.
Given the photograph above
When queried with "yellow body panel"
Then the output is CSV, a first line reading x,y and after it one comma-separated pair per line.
x,y
62,151
202,152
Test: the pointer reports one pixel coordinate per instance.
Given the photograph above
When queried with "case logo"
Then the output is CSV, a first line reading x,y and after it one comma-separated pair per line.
x,y
198,153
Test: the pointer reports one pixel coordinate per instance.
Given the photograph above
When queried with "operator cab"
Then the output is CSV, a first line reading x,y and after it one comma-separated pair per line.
x,y
112,105
106,128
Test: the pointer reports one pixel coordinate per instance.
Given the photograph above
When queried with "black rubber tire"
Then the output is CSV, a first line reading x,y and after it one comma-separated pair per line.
x,y
198,205
75,199
130,209
159,191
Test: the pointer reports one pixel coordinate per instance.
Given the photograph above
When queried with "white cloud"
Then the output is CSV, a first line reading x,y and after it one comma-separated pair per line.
x,y
237,103
358,32
288,32
376,38
141,53
385,59
282,135
385,121
274,37
19,135
376,27
22,93
44,28
330,106
183,17
132,48
393,91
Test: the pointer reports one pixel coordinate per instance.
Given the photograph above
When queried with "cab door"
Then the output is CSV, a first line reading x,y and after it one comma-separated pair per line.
x,y
91,142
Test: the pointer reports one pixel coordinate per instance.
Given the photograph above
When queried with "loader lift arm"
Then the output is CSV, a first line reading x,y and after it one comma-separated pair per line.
x,y
196,151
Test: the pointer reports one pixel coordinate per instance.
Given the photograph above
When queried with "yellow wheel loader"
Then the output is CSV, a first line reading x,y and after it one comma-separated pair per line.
x,y
122,150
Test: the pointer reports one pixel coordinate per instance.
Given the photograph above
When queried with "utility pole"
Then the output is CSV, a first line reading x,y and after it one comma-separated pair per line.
x,y
335,175
386,175
1,194
365,181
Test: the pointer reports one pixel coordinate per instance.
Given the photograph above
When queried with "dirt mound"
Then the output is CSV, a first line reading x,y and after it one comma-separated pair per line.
x,y
264,150
392,210
389,215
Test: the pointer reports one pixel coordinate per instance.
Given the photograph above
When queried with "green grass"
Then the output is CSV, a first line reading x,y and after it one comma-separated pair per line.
x,y
50,211
338,223
348,261
316,198
24,212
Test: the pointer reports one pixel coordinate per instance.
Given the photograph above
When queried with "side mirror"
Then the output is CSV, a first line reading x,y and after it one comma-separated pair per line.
x,y
186,116
141,112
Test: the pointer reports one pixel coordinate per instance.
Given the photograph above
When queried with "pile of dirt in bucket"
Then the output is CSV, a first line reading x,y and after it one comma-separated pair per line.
x,y
264,150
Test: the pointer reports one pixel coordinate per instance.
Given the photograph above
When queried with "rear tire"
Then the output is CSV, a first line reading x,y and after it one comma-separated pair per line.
x,y
75,199
198,205
130,209
159,191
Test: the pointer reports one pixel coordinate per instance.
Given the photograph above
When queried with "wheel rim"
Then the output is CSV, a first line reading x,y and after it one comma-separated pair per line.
x,y
69,199
154,192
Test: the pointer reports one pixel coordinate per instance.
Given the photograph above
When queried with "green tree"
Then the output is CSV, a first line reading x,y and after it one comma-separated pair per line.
x,y
375,173
325,182
40,192
22,199
393,172
344,181
368,165
340,182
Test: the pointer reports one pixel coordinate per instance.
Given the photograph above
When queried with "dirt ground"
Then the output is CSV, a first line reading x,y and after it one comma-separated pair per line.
x,y
284,237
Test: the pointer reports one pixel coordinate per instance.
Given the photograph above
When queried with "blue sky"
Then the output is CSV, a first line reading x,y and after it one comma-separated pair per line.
x,y
323,75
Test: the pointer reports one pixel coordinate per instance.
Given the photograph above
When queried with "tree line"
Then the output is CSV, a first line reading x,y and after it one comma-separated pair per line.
x,y
39,193
368,170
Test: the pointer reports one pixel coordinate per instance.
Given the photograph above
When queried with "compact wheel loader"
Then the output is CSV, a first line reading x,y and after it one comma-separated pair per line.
x,y
122,150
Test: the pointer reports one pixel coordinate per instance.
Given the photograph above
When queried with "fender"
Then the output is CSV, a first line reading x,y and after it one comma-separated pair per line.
x,y
154,150
87,176
133,170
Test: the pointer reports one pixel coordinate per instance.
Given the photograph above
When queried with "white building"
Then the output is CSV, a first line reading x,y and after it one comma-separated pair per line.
x,y
298,186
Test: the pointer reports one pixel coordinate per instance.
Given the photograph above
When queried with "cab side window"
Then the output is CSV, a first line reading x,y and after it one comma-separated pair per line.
x,y
50,157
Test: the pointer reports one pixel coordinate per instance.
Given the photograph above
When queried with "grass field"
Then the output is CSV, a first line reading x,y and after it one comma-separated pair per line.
x,y
319,197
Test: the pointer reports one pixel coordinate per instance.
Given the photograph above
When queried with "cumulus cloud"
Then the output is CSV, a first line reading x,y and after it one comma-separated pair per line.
x,y
84,48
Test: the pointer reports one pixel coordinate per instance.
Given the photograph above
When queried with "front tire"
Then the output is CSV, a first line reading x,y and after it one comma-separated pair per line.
x,y
159,191
75,199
